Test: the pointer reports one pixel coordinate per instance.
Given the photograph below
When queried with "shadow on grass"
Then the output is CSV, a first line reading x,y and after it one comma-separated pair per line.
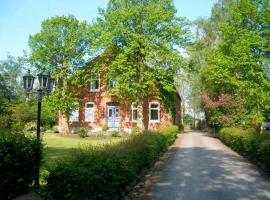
x,y
51,156
54,154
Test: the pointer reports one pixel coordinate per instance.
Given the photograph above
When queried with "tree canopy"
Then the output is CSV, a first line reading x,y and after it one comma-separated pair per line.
x,y
233,49
145,37
61,48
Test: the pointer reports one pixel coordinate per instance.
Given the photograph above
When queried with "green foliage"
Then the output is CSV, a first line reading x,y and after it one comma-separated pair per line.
x,y
225,111
168,98
82,132
10,87
231,54
17,164
30,127
11,70
105,128
141,36
248,142
188,120
68,102
22,112
4,121
49,112
115,134
5,97
136,131
170,133
60,48
103,172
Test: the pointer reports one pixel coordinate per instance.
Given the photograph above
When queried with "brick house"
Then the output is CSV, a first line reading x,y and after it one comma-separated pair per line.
x,y
97,109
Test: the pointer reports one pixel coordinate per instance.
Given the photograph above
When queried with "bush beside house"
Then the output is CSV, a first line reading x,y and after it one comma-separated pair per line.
x,y
104,172
249,143
17,164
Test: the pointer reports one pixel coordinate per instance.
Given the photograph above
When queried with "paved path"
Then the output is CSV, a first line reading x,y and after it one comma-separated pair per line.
x,y
202,168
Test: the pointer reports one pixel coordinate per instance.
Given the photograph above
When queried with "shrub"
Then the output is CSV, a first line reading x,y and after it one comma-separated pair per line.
x,y
105,128
30,126
103,172
170,133
23,112
115,134
249,143
18,155
264,152
224,111
82,132
136,130
4,121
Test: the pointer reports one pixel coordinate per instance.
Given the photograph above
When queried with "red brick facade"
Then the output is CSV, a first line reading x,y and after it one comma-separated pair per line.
x,y
119,109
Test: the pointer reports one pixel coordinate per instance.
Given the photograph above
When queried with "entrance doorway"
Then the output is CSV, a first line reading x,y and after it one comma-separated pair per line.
x,y
113,116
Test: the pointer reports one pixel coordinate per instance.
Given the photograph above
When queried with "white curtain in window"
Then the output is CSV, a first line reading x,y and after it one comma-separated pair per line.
x,y
89,112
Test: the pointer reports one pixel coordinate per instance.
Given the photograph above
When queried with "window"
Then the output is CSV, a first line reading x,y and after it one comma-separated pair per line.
x,y
95,82
134,112
154,112
112,82
74,115
89,112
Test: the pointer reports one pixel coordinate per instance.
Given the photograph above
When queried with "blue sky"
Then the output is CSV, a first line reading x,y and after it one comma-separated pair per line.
x,y
21,18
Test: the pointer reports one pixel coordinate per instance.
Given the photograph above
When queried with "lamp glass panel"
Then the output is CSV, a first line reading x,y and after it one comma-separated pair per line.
x,y
45,82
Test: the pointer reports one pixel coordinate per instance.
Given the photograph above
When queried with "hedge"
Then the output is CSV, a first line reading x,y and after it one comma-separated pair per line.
x,y
17,164
103,172
249,143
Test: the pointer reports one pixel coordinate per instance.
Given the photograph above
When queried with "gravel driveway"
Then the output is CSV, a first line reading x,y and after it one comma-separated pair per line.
x,y
202,168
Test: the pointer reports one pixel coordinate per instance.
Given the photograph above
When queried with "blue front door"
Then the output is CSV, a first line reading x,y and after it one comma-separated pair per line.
x,y
113,116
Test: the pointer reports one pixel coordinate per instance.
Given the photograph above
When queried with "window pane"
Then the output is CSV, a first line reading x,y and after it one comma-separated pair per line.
x,y
29,83
154,115
134,115
44,82
134,106
154,105
110,112
112,82
89,105
89,112
116,112
95,84
74,116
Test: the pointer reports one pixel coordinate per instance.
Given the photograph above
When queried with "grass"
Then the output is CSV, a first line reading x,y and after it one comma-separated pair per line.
x,y
57,147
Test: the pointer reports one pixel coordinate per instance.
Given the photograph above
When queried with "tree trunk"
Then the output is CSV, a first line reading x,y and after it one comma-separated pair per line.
x,y
63,123
63,115
140,117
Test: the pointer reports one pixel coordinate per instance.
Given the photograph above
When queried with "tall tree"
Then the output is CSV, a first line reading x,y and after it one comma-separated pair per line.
x,y
234,53
10,87
61,48
145,37
11,69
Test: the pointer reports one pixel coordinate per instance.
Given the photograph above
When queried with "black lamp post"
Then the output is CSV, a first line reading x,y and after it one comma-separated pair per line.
x,y
46,84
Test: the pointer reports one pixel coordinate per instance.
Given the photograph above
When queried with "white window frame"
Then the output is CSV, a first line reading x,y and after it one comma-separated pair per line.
x,y
133,108
85,107
112,82
158,109
95,79
77,110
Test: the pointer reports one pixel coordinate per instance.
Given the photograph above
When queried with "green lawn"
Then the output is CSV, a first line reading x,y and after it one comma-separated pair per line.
x,y
57,147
